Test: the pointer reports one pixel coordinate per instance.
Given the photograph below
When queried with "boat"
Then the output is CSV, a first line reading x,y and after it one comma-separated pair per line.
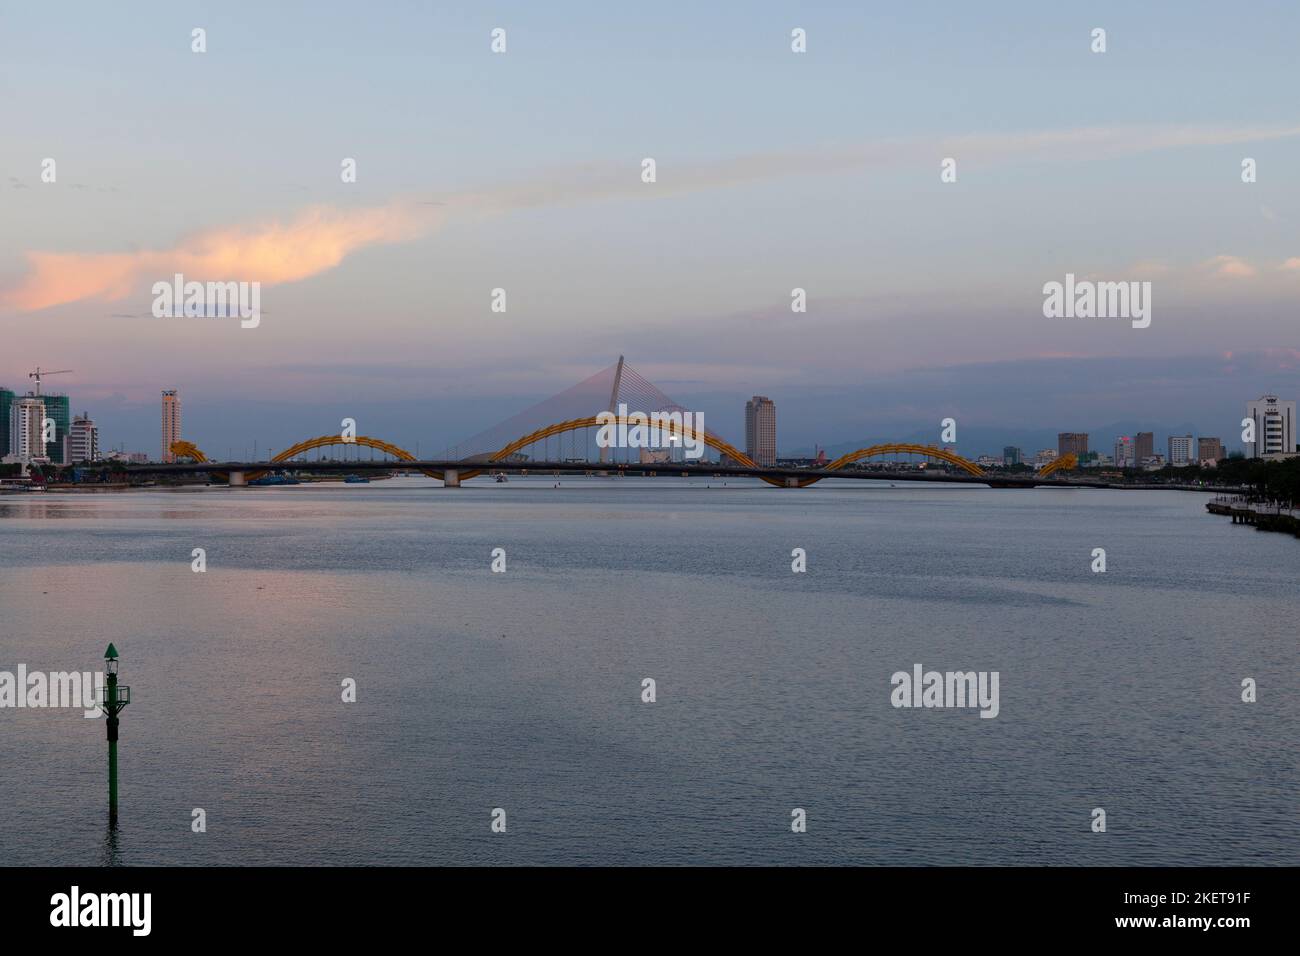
x,y
356,480
275,480
501,478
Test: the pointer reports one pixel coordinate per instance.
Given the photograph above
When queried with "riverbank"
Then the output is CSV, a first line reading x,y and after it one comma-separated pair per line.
x,y
1263,517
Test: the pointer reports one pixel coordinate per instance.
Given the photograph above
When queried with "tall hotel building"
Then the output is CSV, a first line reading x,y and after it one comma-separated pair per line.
x,y
57,409
1124,452
1180,450
1274,427
171,422
6,403
26,427
1209,449
1076,442
760,430
83,440
1144,446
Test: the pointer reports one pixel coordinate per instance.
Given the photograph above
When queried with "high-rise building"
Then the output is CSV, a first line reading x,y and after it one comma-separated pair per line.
x,y
1180,450
83,440
1274,427
760,430
6,402
1124,452
1076,442
171,422
57,408
26,425
1209,449
1144,446
1012,455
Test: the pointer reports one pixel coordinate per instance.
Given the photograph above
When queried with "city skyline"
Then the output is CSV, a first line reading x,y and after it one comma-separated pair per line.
x,y
761,441
924,298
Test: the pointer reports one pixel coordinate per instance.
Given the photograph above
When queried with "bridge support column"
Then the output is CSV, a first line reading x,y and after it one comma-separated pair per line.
x,y
237,479
451,478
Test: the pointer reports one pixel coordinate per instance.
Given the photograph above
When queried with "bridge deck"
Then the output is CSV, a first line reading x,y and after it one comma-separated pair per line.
x,y
664,470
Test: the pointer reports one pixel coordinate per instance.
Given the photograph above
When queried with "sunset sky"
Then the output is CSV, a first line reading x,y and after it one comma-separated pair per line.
x,y
775,170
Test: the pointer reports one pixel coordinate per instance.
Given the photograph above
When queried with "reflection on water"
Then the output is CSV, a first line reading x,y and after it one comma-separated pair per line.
x,y
522,690
111,855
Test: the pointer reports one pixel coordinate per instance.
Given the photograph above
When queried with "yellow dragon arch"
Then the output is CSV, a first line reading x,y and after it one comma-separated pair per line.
x,y
189,450
1064,463
595,421
1067,462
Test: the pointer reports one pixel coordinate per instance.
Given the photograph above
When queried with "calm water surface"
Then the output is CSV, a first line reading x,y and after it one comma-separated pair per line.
x,y
522,690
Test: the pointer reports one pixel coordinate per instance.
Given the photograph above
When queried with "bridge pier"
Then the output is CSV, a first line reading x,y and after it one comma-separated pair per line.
x,y
451,478
237,479
792,482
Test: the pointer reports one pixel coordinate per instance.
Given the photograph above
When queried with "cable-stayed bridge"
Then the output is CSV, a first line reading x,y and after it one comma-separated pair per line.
x,y
569,433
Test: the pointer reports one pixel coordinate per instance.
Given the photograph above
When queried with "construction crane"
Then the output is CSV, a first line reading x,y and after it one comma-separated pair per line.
x,y
39,372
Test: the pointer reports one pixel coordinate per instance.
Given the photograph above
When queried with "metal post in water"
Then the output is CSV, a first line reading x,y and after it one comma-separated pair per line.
x,y
115,698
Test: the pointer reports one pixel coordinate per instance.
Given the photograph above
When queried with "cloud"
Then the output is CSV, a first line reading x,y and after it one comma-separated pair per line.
x,y
1280,359
320,237
1150,269
1218,267
1229,267
316,239
608,181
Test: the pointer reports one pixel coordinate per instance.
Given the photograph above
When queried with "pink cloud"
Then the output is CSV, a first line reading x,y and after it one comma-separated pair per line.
x,y
317,239
1229,267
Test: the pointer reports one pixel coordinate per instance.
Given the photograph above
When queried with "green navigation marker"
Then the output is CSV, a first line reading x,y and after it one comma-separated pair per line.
x,y
115,699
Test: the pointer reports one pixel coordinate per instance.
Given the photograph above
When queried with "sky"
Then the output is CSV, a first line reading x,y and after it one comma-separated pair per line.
x,y
775,170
